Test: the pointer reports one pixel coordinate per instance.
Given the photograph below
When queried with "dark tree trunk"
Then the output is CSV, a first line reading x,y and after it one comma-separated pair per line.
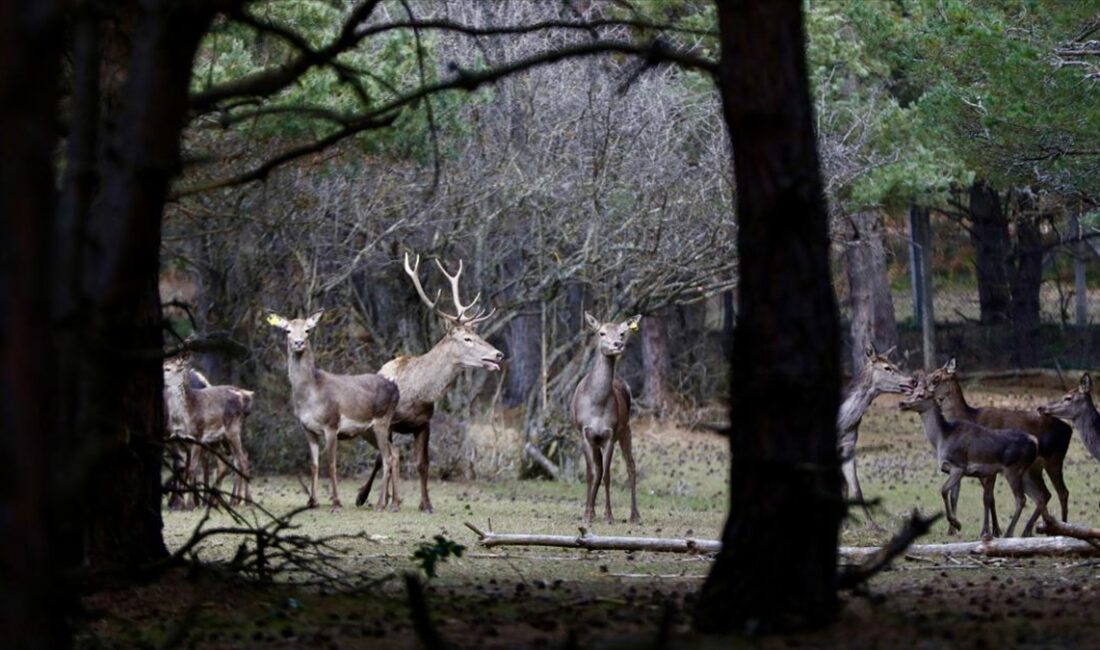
x,y
777,567
989,235
1027,277
873,320
655,363
32,609
524,359
107,306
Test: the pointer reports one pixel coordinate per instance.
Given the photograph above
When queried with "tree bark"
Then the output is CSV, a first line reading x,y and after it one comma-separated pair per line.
x,y
655,363
1027,277
32,599
873,320
989,235
777,567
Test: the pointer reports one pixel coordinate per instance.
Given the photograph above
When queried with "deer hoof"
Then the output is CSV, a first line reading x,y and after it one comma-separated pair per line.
x,y
426,508
361,499
312,503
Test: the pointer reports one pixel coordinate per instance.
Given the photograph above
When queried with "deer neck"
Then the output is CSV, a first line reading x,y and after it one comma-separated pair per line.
x,y
301,370
861,392
427,377
954,403
601,377
936,428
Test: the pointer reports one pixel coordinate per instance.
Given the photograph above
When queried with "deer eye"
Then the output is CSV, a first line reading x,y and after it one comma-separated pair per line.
x,y
468,339
603,334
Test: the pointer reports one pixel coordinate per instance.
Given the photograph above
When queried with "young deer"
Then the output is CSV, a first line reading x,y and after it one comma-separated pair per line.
x,y
1052,434
424,379
1078,408
964,448
333,407
601,410
878,376
211,415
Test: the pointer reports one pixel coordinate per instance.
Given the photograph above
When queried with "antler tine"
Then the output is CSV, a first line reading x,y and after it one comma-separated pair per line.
x,y
481,316
460,309
412,273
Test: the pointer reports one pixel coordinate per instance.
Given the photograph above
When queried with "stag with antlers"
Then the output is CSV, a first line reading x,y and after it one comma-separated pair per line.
x,y
422,380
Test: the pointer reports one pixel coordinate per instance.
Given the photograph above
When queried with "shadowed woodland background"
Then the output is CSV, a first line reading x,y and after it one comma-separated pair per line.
x,y
175,169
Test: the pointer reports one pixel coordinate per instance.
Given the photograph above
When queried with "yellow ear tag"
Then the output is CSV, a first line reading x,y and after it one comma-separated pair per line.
x,y
272,319
633,325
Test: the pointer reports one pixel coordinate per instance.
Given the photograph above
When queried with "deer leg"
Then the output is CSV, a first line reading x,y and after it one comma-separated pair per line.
x,y
1036,488
855,493
1054,470
314,466
954,475
608,452
331,439
589,475
422,467
1016,483
988,483
387,470
364,492
626,444
243,476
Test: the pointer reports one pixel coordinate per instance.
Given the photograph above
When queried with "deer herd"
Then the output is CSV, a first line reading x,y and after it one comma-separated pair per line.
x,y
206,422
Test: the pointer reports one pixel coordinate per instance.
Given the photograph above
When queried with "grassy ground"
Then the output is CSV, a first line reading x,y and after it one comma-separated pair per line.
x,y
536,597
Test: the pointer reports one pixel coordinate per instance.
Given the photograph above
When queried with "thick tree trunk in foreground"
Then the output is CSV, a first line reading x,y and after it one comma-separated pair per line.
x,y
873,320
777,568
31,612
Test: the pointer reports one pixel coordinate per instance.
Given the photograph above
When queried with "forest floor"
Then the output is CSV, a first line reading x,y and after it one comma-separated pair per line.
x,y
541,597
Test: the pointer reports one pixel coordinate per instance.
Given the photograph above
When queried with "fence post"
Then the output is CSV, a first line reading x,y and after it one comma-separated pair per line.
x,y
920,273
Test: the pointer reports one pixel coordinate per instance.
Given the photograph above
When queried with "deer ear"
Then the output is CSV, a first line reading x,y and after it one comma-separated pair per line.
x,y
951,366
1086,383
315,318
870,351
632,322
276,320
592,323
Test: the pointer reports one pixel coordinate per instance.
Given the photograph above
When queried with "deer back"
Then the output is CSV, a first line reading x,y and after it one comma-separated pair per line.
x,y
977,447
360,398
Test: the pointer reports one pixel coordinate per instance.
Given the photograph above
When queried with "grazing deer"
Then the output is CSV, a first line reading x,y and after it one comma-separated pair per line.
x,y
1052,434
333,407
424,379
212,416
964,448
1078,408
877,376
601,410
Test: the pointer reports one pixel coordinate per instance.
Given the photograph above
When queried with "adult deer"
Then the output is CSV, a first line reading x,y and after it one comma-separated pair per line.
x,y
877,376
1077,408
424,379
212,416
332,407
964,448
601,410
1052,434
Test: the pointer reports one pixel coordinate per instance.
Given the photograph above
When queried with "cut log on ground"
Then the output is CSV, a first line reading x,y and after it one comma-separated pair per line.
x,y
1010,547
589,541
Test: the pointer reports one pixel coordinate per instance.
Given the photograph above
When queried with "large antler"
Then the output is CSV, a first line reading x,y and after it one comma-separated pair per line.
x,y
460,317
412,273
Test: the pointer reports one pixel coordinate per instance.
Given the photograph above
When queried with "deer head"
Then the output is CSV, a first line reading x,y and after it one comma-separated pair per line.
x,y
921,397
612,336
885,377
461,343
297,330
940,379
1072,403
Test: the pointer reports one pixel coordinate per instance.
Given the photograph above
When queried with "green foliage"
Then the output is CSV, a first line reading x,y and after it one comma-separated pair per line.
x,y
429,554
362,80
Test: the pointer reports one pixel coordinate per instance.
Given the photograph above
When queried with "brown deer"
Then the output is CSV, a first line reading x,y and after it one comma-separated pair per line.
x,y
333,407
964,448
601,410
424,379
213,416
1052,434
1078,408
877,376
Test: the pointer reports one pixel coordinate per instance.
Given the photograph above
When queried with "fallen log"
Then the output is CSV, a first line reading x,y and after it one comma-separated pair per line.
x,y
592,542
1004,547
542,461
